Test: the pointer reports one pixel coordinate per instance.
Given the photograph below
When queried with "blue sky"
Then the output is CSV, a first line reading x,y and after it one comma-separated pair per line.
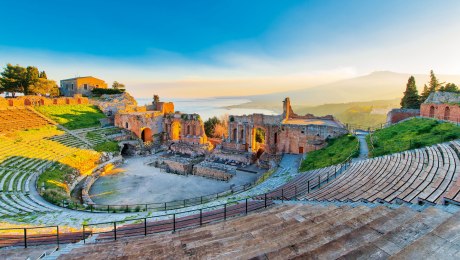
x,y
240,47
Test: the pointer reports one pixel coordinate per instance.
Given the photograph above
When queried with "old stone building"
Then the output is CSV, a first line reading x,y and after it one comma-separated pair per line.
x,y
159,122
187,128
286,133
81,85
442,105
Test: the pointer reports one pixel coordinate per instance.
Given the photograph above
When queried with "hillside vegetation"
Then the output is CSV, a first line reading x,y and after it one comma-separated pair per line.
x,y
336,151
73,116
411,134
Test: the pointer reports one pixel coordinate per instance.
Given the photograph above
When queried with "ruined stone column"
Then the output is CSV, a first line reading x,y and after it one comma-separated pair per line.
x,y
238,133
244,134
229,138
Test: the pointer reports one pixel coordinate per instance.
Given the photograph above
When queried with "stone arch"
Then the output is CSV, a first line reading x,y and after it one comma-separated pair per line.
x,y
10,103
175,131
126,125
27,102
431,111
241,135
146,134
188,129
259,144
447,113
67,101
78,100
234,135
41,102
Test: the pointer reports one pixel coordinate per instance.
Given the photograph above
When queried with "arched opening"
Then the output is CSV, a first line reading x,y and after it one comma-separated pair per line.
x,y
275,138
175,131
188,130
55,101
10,103
27,102
194,131
146,135
67,101
128,150
447,113
79,100
41,102
234,135
126,125
432,111
259,138
242,135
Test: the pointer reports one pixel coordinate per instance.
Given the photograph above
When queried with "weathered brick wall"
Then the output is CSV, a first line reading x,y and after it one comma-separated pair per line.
x,y
42,101
449,112
137,122
212,173
398,114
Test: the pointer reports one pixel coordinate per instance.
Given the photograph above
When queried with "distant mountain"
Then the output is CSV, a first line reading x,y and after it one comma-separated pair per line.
x,y
379,85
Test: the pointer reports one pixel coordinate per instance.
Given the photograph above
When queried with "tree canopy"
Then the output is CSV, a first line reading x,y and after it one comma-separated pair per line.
x,y
118,85
29,80
411,99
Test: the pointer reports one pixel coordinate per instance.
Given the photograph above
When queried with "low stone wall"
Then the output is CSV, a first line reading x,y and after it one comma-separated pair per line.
x,y
214,170
174,164
89,181
399,114
192,150
229,157
24,101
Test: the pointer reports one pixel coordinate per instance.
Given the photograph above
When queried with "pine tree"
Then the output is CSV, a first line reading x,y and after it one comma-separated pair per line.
x,y
425,94
450,87
434,83
411,99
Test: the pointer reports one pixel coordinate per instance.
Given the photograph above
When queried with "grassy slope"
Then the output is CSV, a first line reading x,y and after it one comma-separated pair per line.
x,y
411,134
73,116
337,151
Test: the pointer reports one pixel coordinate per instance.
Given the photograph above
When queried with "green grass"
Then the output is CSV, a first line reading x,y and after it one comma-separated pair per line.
x,y
336,151
109,146
55,180
73,116
411,134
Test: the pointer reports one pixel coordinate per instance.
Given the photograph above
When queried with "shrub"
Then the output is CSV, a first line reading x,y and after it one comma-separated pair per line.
x,y
106,91
55,196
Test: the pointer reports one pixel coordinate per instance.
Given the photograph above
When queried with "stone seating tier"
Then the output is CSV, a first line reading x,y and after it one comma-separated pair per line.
x,y
422,175
300,231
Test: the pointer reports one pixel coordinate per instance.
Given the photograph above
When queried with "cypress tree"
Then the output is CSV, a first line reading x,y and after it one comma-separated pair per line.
x,y
411,99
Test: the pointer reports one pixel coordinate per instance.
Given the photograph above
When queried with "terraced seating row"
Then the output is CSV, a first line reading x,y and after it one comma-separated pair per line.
x,y
320,231
19,119
98,135
422,175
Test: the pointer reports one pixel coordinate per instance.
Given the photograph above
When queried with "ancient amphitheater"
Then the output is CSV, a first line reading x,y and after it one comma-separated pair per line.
x,y
402,205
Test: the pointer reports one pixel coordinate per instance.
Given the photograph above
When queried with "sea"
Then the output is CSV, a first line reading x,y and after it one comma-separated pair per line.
x,y
210,107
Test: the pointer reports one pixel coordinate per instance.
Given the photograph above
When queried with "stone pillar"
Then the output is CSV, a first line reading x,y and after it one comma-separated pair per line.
x,y
238,133
229,138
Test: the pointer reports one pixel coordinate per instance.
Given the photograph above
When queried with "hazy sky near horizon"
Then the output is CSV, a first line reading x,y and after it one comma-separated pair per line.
x,y
214,48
